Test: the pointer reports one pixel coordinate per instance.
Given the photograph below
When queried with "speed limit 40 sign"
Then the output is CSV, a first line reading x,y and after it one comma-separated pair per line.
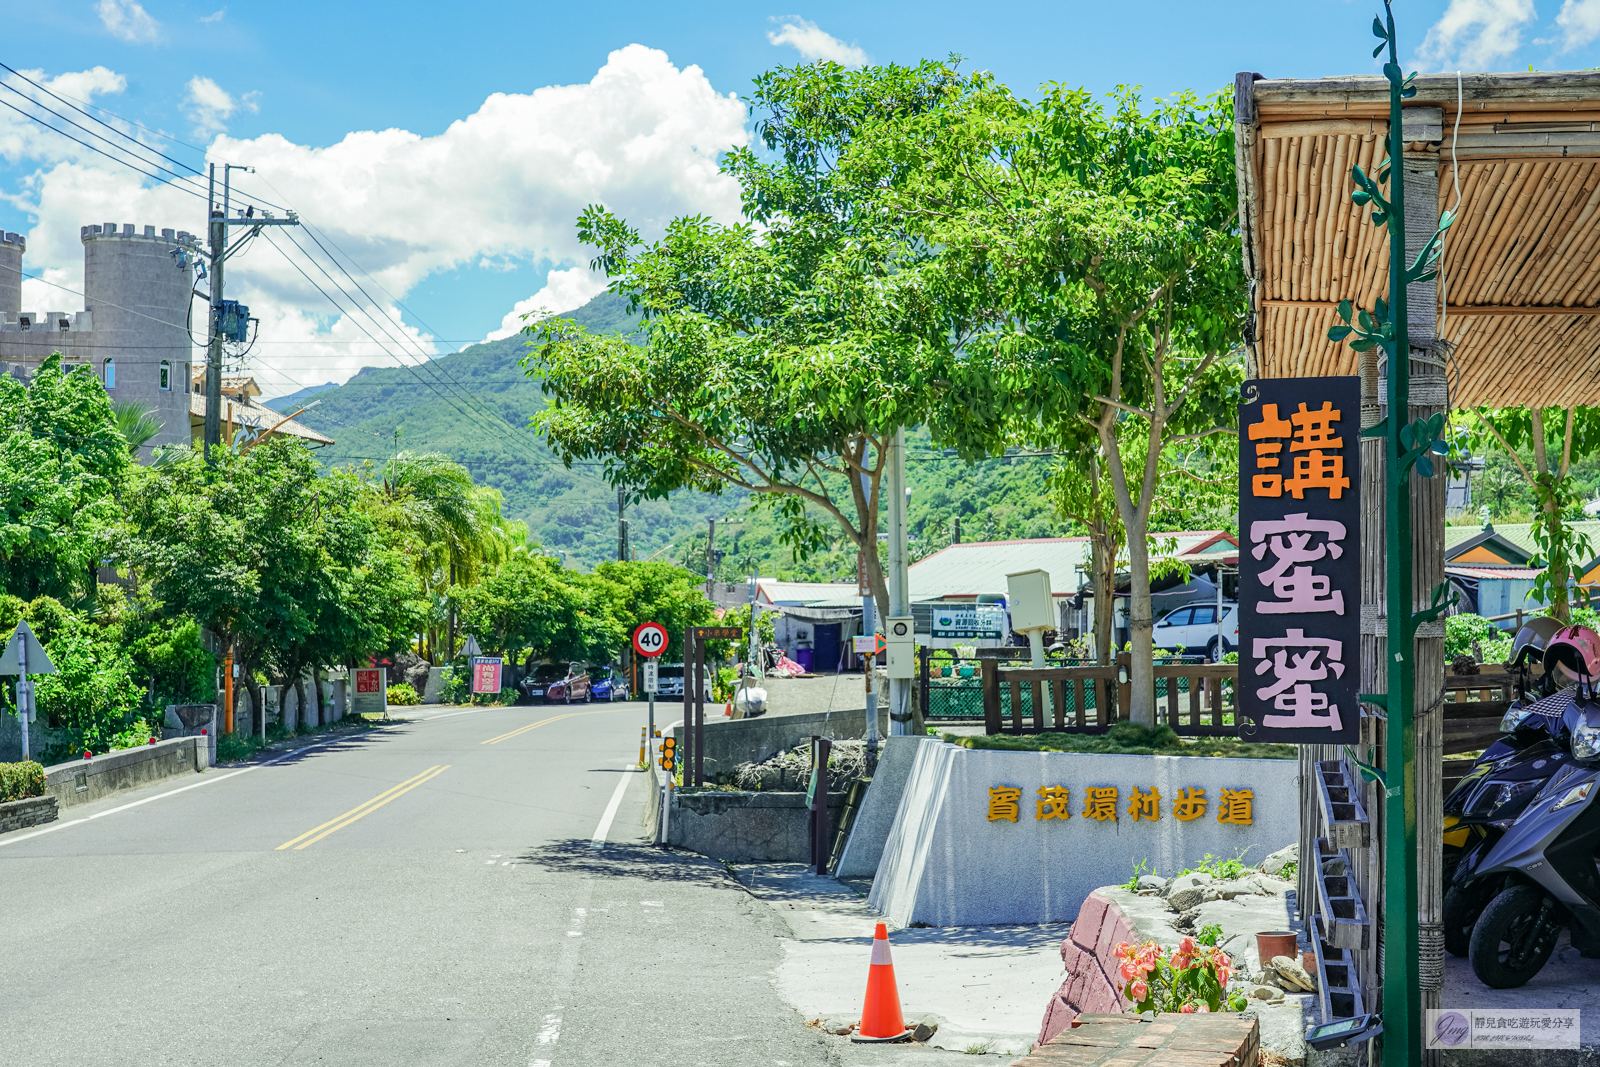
x,y
650,639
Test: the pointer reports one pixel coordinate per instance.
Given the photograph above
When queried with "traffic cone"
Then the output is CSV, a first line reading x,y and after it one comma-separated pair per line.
x,y
880,1014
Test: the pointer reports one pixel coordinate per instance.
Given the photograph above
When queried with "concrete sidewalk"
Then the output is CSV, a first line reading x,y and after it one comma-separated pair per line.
x,y
989,984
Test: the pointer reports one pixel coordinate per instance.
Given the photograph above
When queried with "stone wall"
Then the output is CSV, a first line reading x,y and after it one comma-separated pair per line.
x,y
730,742
746,827
30,811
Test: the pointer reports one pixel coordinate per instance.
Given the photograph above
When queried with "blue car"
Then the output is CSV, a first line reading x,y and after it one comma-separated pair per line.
x,y
608,683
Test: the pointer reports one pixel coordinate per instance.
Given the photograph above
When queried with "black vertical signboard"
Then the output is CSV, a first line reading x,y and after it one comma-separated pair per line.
x,y
1300,560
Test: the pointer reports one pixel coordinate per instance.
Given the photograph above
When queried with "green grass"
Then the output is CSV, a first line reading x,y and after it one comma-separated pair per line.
x,y
1128,739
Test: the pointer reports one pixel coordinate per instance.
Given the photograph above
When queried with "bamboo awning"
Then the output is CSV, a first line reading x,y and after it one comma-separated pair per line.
x,y
1521,268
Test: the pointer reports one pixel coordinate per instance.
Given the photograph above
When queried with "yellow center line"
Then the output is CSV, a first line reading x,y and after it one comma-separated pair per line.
x,y
525,729
383,797
373,808
546,722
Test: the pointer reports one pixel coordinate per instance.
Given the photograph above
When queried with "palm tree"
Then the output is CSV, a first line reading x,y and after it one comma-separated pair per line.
x,y
457,526
137,423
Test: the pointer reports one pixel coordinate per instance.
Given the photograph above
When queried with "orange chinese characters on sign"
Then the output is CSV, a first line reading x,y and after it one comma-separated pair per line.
x,y
1312,433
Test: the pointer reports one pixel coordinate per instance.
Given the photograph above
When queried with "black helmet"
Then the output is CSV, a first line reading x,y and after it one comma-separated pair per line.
x,y
1532,638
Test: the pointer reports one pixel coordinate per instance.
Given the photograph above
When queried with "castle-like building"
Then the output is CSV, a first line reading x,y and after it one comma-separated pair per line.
x,y
142,331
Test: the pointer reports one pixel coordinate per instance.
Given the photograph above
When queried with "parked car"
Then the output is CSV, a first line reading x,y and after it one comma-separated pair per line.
x,y
572,688
669,681
537,685
609,684
1192,630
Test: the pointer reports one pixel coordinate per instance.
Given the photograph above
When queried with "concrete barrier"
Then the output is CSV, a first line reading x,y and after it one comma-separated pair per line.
x,y
976,841
83,781
746,827
870,832
730,742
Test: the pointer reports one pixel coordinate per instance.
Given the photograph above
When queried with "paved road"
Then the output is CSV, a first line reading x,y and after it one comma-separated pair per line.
x,y
429,893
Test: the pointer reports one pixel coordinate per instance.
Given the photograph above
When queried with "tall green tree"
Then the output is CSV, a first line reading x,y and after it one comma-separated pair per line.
x,y
1556,437
1102,241
783,352
533,605
62,462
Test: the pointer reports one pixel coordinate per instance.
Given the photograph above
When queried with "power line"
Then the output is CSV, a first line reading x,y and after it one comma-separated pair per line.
x,y
97,136
442,395
92,148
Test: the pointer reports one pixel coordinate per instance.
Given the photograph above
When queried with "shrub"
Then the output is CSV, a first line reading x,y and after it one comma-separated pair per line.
x,y
1194,978
237,746
21,780
403,694
136,735
453,686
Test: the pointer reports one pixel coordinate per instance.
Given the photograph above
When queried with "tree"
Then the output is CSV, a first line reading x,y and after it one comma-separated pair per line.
x,y
531,602
1105,245
455,530
782,353
655,592
62,462
137,424
1563,548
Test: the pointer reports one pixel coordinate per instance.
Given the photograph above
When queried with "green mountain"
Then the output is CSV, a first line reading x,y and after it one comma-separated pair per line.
x,y
474,406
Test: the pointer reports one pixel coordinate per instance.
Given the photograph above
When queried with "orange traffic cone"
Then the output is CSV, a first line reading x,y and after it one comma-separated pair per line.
x,y
880,1015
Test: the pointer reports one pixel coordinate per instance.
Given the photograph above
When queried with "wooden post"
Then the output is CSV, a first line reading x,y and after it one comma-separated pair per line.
x,y
688,705
991,694
1429,396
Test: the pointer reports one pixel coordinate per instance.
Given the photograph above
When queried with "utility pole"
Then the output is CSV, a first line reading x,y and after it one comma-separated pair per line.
x,y
711,560
899,575
217,238
622,526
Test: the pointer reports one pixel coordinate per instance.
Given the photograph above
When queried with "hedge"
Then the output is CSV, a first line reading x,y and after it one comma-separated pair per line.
x,y
21,780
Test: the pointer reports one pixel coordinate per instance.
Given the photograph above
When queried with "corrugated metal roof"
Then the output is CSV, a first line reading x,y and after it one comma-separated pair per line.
x,y
979,568
1518,533
1520,573
776,592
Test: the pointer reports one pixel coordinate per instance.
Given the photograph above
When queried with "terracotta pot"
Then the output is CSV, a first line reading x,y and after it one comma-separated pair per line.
x,y
1272,943
1308,960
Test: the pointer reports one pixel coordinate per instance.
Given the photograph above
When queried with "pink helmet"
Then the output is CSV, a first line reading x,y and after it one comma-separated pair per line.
x,y
1576,651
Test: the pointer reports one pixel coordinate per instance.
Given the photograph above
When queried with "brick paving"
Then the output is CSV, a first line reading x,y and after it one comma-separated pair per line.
x,y
1151,1040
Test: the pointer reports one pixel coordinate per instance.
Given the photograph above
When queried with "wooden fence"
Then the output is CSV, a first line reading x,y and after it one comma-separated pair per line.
x,y
1195,699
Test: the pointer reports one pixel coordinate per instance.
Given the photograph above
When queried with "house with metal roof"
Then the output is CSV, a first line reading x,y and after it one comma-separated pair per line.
x,y
1489,567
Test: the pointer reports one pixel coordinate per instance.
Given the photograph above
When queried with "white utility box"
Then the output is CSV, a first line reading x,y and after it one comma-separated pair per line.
x,y
1032,606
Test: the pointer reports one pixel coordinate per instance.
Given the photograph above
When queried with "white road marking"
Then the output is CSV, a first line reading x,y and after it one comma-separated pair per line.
x,y
611,808
550,1032
168,793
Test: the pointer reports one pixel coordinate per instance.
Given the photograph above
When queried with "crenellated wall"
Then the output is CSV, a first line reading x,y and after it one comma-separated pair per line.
x,y
135,323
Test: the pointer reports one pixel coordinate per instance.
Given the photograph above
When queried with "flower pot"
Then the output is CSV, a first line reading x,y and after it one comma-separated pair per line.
x,y
1273,943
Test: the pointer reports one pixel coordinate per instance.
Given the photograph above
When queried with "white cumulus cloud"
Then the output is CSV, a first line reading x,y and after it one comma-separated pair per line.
x,y
814,43
215,16
504,184
128,20
210,106
1475,34
1579,22
564,290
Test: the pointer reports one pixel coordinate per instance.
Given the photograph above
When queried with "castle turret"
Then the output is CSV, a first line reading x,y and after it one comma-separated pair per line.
x,y
12,245
134,331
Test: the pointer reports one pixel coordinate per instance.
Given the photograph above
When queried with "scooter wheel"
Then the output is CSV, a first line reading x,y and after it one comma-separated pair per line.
x,y
1514,937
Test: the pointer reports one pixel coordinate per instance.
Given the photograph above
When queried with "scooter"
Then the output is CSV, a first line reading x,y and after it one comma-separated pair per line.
x,y
1531,747
1543,867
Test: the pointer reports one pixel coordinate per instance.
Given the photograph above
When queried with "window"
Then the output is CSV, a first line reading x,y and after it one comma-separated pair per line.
x,y
1180,617
166,374
111,374
1205,616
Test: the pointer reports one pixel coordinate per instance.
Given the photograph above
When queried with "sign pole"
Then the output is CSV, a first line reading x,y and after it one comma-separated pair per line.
x,y
24,697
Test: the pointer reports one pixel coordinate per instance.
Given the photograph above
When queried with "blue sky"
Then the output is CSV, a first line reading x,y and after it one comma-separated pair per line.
x,y
381,123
